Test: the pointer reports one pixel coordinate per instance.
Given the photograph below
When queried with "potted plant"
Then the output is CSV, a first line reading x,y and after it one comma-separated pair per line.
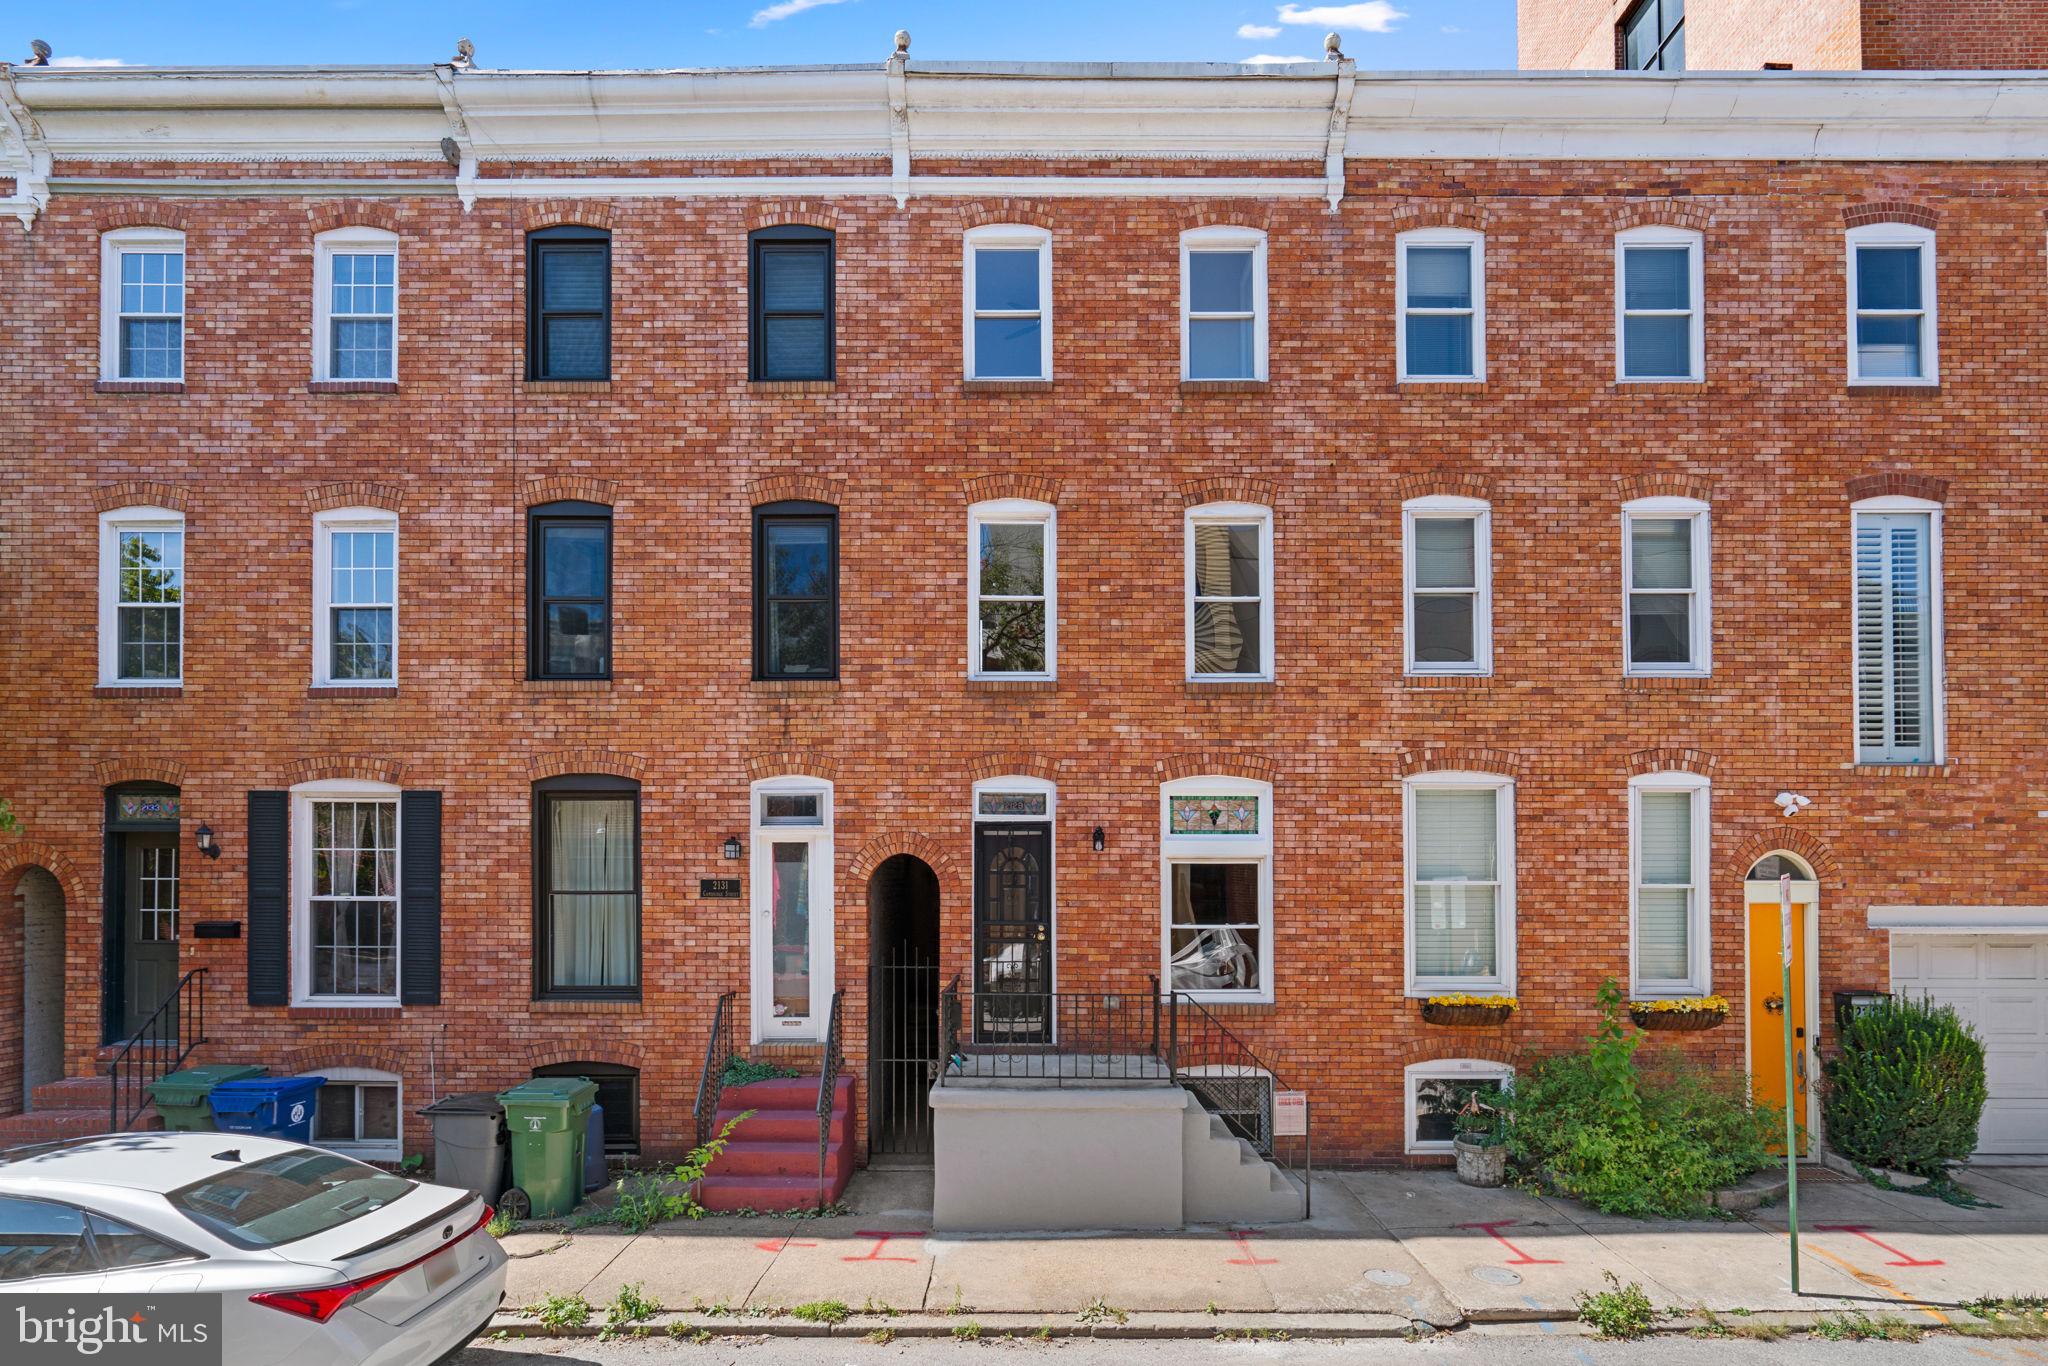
x,y
1479,1126
1681,1012
1468,1011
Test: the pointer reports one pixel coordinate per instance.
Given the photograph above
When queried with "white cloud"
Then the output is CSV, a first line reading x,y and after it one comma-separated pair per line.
x,y
784,8
87,61
1257,31
1373,16
1268,59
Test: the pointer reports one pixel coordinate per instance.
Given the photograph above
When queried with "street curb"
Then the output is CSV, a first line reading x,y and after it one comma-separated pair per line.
x,y
1134,1326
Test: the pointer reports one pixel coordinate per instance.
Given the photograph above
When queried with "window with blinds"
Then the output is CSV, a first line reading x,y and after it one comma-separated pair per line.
x,y
1667,901
1441,291
1230,593
1459,901
1894,638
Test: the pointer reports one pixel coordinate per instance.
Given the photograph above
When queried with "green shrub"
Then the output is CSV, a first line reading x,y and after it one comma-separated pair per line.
x,y
741,1071
1907,1089
1636,1138
1619,1311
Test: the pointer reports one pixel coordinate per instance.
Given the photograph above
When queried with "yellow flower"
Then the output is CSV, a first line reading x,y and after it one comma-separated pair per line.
x,y
1682,1005
1462,998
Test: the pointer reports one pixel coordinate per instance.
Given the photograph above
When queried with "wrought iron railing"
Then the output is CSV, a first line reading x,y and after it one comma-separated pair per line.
x,y
828,1085
1235,1084
711,1081
1056,1038
159,1048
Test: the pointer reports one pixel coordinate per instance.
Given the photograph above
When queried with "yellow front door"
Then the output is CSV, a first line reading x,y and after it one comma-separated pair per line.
x,y
1767,1007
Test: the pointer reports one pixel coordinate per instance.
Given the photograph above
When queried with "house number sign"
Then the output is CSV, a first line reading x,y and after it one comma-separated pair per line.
x,y
719,888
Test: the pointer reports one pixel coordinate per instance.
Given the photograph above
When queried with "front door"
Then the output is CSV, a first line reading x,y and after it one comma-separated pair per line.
x,y
1769,1005
1013,933
149,936
792,899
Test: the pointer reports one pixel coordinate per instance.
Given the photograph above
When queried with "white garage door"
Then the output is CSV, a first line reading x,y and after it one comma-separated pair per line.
x,y
1999,983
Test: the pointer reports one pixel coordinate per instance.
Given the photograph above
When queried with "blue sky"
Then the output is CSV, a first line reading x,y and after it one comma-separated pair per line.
x,y
1382,34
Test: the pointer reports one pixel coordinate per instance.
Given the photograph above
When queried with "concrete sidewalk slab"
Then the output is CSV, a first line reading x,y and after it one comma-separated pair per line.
x,y
1435,1199
685,1269
1724,1266
2033,1179
1342,1261
1908,1262
557,1263
1157,1272
827,1260
1510,1270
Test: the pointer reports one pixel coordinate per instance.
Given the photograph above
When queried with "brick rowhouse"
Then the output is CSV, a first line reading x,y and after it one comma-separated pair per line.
x,y
681,446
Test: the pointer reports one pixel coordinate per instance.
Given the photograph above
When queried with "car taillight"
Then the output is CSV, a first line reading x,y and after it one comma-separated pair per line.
x,y
324,1302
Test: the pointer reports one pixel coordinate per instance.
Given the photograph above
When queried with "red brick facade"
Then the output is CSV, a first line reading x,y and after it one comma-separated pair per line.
x,y
682,446
1810,35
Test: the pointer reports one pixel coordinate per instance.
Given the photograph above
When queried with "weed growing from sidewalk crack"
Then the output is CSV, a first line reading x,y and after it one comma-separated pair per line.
x,y
969,1331
1253,1335
957,1307
1712,1325
822,1311
1213,1308
2010,1316
1043,1332
501,1225
683,1332
1620,1311
1099,1310
878,1308
560,1313
628,1309
882,1337
1857,1326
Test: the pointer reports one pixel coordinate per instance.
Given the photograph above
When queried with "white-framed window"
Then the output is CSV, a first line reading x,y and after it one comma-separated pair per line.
x,y
1447,562
1892,334
793,914
1223,303
142,304
1668,859
1459,853
1216,888
355,304
1229,591
1440,293
1012,590
355,598
358,1114
1431,1091
1667,603
345,901
1896,563
1009,302
1659,306
142,598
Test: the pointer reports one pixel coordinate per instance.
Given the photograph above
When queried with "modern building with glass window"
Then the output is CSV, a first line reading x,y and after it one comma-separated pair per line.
x,y
993,580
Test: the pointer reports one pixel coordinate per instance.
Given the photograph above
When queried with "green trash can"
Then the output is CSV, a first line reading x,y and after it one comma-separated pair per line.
x,y
180,1097
549,1119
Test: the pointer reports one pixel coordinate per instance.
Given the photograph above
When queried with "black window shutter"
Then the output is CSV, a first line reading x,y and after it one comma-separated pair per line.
x,y
270,967
419,898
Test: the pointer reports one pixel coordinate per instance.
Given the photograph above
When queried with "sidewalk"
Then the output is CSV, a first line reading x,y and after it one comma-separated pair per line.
x,y
1386,1251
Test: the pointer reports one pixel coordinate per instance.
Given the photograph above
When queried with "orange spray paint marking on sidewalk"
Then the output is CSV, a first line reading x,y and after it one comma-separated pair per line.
x,y
1520,1258
1863,1231
777,1244
1243,1238
874,1254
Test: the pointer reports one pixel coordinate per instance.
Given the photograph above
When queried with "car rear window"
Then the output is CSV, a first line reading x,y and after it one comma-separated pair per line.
x,y
288,1197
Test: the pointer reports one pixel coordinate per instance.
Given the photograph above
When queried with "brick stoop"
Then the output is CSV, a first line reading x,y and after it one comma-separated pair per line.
x,y
73,1108
771,1162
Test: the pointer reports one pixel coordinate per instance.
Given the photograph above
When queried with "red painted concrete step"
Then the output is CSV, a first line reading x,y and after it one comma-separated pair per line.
x,y
73,1093
47,1126
723,1194
784,1093
771,1161
782,1159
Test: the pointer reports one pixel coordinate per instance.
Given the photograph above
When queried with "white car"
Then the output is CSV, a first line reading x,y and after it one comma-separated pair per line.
x,y
317,1258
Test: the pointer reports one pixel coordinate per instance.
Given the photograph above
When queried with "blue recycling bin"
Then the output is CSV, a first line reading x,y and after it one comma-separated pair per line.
x,y
593,1151
270,1107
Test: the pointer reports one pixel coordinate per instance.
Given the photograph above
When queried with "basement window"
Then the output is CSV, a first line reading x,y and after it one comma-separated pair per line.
x,y
1433,1092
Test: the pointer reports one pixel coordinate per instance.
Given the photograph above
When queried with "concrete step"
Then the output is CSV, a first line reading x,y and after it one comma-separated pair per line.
x,y
1226,1181
785,1093
73,1093
727,1193
783,1126
49,1126
782,1159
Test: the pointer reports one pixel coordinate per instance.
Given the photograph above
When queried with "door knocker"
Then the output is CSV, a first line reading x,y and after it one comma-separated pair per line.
x,y
1775,1004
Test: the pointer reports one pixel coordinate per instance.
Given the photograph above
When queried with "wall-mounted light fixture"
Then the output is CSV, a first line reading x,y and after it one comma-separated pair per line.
x,y
204,835
732,847
1097,840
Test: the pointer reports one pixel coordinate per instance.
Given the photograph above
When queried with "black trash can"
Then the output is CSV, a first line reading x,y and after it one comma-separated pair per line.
x,y
470,1145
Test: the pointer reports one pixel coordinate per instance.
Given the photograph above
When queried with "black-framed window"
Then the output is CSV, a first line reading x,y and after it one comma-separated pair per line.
x,y
586,856
569,303
789,289
569,591
796,591
618,1093
1653,37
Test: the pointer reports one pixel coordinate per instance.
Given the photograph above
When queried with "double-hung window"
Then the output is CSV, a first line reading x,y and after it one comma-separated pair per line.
x,y
346,869
569,304
1653,36
1230,592
1009,303
1012,620
790,323
142,597
355,305
1892,335
587,861
568,591
1668,621
1898,631
1659,335
1223,304
796,591
1668,889
1216,850
1460,851
142,305
355,598
1449,572
1440,283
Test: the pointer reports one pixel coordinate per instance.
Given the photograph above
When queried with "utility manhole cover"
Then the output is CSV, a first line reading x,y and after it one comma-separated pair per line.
x,y
1382,1276
1496,1275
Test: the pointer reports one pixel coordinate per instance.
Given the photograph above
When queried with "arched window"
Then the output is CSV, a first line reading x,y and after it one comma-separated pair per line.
x,y
1771,867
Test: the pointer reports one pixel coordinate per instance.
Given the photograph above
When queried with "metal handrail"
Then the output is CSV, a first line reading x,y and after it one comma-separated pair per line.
x,y
1054,1038
147,1057
711,1081
828,1085
1213,1044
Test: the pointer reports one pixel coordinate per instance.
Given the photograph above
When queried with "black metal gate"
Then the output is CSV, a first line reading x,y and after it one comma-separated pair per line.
x,y
903,1051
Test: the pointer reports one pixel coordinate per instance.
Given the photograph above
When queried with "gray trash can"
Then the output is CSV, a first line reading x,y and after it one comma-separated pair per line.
x,y
594,1176
470,1145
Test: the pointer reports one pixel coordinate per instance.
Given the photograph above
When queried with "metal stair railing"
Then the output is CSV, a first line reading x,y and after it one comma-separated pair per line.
x,y
711,1081
169,1036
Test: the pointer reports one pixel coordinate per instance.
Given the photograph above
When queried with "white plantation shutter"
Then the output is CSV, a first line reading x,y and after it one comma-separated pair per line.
x,y
1894,637
1664,893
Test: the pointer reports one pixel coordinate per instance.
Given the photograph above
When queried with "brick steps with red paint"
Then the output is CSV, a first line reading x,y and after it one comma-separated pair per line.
x,y
782,1159
771,1161
73,1093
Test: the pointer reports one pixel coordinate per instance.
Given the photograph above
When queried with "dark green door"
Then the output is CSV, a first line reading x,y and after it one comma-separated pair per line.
x,y
149,898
